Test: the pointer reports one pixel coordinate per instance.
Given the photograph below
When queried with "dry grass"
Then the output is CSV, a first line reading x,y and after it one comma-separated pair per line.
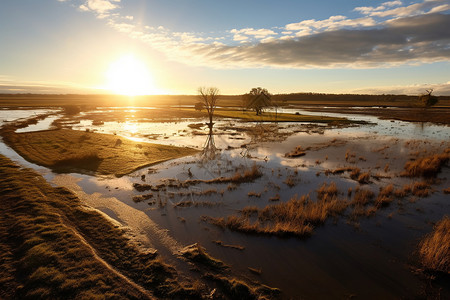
x,y
446,191
385,196
421,189
434,249
362,197
403,192
296,217
69,150
364,178
428,167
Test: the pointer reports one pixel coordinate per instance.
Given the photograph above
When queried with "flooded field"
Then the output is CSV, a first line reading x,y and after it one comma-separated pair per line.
x,y
364,246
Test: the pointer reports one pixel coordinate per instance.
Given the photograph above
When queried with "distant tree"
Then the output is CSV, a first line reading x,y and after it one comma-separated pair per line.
x,y
209,97
427,99
199,106
257,99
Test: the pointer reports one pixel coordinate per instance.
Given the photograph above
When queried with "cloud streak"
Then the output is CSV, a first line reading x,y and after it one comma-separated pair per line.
x,y
390,34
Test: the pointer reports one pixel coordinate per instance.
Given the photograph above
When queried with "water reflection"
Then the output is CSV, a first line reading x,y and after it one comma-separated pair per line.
x,y
210,151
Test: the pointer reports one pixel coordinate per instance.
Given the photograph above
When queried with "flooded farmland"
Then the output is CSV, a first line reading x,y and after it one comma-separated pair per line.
x,y
366,250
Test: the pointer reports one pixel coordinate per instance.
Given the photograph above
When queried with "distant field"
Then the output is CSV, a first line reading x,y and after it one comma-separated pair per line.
x,y
65,150
343,100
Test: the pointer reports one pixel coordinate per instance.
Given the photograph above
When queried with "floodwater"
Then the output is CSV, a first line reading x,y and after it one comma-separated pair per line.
x,y
370,259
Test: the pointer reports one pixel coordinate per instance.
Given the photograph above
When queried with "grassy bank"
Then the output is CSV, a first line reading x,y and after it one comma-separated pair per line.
x,y
53,247
68,150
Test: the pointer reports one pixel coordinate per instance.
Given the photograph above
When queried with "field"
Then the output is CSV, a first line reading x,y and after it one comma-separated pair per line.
x,y
117,197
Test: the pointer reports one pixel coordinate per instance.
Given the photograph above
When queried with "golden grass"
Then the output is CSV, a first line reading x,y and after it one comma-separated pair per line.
x,y
296,217
385,196
421,189
53,247
68,150
434,249
428,166
362,197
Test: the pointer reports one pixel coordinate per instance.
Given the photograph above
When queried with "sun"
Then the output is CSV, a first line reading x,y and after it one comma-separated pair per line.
x,y
130,76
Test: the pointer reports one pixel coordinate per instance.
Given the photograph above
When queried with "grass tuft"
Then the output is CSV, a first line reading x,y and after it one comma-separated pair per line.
x,y
428,167
434,249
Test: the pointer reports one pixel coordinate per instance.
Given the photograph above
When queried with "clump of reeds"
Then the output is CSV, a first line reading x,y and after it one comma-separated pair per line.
x,y
360,202
434,249
362,197
428,166
385,196
421,189
403,192
364,178
327,191
297,217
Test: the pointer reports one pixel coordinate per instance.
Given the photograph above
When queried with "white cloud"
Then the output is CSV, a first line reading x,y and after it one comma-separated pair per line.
x,y
100,6
387,35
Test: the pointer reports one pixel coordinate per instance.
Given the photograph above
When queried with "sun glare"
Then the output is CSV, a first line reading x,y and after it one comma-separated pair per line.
x,y
129,76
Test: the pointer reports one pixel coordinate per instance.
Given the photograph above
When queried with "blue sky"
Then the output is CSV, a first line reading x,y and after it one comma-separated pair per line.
x,y
356,46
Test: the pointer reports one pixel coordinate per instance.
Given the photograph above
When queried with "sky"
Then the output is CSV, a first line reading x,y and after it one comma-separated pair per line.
x,y
176,46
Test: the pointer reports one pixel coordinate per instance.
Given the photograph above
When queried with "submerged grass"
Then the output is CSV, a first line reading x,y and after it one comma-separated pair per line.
x,y
296,217
429,166
67,150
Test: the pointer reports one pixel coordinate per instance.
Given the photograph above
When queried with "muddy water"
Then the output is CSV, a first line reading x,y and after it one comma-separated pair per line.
x,y
368,259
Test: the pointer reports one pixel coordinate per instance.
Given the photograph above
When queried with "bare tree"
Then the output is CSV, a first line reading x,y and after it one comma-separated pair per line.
x,y
428,99
209,97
